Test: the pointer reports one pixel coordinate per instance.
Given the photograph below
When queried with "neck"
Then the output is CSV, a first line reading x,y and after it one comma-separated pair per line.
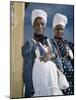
x,y
58,38
38,36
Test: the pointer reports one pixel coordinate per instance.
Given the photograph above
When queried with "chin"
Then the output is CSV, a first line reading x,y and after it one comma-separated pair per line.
x,y
40,33
59,36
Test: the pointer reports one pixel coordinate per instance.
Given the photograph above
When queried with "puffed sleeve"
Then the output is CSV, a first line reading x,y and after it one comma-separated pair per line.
x,y
57,59
28,61
71,46
58,62
26,50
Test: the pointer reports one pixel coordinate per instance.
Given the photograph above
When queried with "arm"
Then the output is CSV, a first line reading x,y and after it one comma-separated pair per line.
x,y
57,59
28,59
58,62
71,46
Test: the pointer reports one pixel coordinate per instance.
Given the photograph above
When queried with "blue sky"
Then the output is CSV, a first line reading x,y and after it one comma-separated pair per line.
x,y
51,9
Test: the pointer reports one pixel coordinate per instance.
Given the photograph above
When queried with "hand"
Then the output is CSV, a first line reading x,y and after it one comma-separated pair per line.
x,y
47,57
43,58
51,56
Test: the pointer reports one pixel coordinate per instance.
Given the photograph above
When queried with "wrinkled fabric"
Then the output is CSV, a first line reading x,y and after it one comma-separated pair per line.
x,y
67,63
45,78
28,61
28,53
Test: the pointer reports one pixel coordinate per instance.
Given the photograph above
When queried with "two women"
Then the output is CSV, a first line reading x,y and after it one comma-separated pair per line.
x,y
42,62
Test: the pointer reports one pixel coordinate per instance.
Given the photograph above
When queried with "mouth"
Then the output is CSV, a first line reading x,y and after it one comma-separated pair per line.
x,y
59,33
40,30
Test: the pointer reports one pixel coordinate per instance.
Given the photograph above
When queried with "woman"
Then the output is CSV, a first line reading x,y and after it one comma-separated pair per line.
x,y
65,50
40,73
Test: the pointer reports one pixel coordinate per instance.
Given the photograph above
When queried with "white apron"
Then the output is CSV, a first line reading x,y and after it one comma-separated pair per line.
x,y
45,78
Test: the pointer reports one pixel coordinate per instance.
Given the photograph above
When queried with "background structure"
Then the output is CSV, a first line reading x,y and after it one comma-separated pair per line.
x,y
51,9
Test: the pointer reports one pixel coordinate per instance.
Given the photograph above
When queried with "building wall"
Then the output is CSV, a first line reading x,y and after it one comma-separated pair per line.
x,y
16,42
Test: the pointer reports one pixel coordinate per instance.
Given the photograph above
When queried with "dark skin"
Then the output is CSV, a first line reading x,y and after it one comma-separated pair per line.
x,y
39,26
58,31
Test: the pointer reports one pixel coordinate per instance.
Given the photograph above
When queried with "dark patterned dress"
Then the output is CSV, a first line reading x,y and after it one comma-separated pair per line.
x,y
67,63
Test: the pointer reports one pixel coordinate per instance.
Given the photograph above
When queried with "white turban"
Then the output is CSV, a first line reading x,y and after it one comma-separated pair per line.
x,y
38,13
59,19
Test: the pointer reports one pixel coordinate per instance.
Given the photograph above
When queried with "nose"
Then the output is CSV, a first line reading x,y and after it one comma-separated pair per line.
x,y
60,31
40,25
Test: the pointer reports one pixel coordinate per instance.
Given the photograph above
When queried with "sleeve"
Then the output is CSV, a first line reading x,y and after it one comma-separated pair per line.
x,y
71,46
28,60
57,59
58,62
26,50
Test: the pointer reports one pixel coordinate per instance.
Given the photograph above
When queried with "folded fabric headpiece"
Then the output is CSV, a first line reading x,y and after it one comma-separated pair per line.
x,y
38,13
59,19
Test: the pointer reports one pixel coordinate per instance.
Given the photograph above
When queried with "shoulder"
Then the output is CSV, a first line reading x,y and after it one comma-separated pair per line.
x,y
69,43
26,48
28,44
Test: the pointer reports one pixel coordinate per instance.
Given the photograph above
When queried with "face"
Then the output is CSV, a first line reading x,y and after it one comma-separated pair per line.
x,y
58,30
39,25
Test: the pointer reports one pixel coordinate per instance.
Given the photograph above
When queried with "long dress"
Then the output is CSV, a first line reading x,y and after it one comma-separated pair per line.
x,y
68,64
45,78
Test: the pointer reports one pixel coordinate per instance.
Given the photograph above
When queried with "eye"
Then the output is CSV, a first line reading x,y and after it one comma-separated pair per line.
x,y
41,23
60,28
38,24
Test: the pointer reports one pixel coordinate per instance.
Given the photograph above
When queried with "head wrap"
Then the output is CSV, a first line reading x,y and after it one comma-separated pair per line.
x,y
59,19
39,13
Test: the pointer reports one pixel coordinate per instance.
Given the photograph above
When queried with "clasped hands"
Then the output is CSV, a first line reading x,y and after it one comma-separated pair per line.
x,y
47,56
